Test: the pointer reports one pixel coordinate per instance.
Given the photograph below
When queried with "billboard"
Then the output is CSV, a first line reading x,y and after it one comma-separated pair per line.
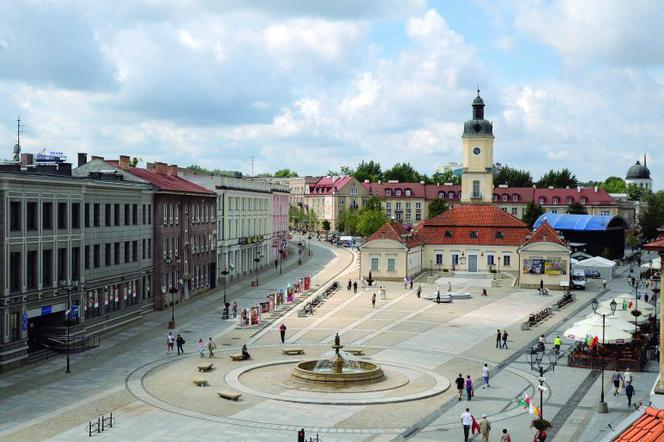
x,y
545,266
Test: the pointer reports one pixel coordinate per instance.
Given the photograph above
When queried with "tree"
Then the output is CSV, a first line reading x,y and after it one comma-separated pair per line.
x,y
577,208
373,203
347,221
652,215
311,220
632,240
533,211
368,171
445,177
558,179
637,193
404,173
614,184
285,173
343,170
436,207
513,177
325,225
369,221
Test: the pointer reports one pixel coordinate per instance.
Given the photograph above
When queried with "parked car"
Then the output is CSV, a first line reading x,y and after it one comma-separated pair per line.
x,y
592,274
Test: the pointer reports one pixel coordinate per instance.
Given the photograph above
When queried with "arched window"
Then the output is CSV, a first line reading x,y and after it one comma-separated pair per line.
x,y
584,200
408,192
568,200
441,195
541,200
505,197
397,192
555,200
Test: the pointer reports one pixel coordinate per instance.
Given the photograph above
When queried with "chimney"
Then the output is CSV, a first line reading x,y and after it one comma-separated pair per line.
x,y
534,186
596,188
173,169
95,157
566,187
379,182
82,158
422,182
124,162
160,168
550,187
149,166
27,159
366,181
578,189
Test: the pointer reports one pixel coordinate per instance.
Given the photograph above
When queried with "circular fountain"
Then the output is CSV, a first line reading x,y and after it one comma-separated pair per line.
x,y
337,366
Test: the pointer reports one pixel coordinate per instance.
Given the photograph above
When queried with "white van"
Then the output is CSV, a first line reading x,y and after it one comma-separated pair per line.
x,y
578,279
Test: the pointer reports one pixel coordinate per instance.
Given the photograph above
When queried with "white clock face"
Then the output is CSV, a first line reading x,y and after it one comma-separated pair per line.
x,y
476,150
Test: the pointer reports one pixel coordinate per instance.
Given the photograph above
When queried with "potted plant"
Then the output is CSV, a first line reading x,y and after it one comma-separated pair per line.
x,y
541,424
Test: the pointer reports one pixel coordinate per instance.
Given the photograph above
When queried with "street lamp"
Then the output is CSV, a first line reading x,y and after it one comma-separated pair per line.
x,y
431,266
69,321
299,252
257,259
309,238
637,283
537,363
602,407
175,288
225,273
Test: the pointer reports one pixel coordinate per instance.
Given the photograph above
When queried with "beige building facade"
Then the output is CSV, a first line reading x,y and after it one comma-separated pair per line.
x,y
331,195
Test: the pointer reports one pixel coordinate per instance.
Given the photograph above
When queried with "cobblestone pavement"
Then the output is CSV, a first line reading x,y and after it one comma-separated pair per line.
x,y
152,399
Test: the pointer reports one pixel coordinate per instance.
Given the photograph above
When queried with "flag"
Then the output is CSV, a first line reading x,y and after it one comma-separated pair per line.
x,y
526,402
589,340
630,305
475,425
624,304
594,342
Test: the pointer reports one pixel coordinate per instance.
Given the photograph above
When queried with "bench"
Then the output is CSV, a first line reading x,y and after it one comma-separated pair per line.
x,y
230,395
237,357
293,351
200,382
355,351
205,367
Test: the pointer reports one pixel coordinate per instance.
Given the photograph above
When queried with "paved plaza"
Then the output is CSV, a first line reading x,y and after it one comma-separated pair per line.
x,y
421,345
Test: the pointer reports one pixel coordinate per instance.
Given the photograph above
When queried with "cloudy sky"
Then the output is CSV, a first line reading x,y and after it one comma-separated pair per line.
x,y
313,85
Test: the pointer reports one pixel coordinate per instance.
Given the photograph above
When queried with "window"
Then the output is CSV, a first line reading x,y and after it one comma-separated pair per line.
x,y
374,263
448,234
134,251
418,217
96,215
62,216
515,197
107,254
388,192
584,200
605,212
439,259
506,260
418,206
75,215
86,214
451,195
95,256
407,204
177,213
555,200
514,211
127,252
107,214
31,215
455,259
505,197
476,189
353,191
391,264
47,216
15,269
568,200
145,212
15,216
397,192
149,213
144,248
490,260
541,200
554,210
62,264
149,248
398,205
116,253
473,234
86,257
165,210
341,202
408,192
47,268
76,263
408,216
134,214
127,214
388,205
31,267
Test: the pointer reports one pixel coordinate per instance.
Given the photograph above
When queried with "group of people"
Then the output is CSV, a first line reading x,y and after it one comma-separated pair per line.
x,y
483,426
201,346
501,339
623,382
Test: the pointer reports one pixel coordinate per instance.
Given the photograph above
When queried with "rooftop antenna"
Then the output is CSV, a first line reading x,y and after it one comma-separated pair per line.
x,y
17,146
252,165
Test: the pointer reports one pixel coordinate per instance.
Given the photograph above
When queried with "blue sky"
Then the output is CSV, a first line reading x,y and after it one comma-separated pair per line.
x,y
316,85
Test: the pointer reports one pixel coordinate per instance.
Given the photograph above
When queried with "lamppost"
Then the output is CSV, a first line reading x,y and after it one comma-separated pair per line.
x,y
431,266
225,274
69,321
309,238
299,252
175,288
602,407
536,359
257,259
637,284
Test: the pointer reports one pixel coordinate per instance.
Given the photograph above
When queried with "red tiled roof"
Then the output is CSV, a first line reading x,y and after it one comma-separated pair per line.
x,y
545,233
328,185
657,245
164,181
476,215
490,236
379,189
648,428
600,196
395,232
523,194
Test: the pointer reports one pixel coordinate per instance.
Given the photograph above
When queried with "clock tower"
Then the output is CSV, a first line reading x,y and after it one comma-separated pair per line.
x,y
477,178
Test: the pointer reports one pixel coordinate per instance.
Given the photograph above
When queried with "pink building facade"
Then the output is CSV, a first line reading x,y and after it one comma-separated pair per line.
x,y
280,205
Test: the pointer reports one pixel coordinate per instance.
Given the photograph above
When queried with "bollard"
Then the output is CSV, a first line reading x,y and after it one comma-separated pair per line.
x,y
102,423
98,426
110,420
89,428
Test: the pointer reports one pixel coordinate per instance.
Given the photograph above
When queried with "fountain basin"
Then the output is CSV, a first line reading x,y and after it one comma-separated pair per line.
x,y
363,372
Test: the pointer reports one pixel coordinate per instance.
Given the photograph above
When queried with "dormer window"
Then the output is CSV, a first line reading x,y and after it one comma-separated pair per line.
x,y
568,200
495,197
451,195
441,195
448,234
388,192
541,200
408,192
584,200
500,235
473,234
515,197
555,200
397,192
505,197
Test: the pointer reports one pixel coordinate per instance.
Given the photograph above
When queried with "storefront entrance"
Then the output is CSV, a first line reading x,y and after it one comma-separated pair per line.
x,y
472,263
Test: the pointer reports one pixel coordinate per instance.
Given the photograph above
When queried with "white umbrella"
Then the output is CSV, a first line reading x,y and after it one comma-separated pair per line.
x,y
624,301
611,321
625,315
654,264
612,335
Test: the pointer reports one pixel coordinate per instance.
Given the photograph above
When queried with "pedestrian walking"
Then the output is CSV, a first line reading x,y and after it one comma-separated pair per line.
x,y
405,282
541,286
354,286
645,297
484,292
469,388
485,428
499,337
200,347
438,296
485,376
419,291
628,377
350,284
211,346
411,282
540,436
179,341
276,264
603,282
629,392
170,340
282,332
557,343
466,422
449,297
234,310
449,286
373,301
616,378
505,437
383,293
505,339
542,342
460,384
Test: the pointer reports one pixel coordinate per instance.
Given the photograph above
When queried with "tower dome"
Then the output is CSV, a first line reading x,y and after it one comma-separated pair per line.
x,y
638,172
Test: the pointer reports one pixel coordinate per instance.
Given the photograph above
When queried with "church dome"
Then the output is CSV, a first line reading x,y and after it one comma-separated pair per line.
x,y
478,101
638,171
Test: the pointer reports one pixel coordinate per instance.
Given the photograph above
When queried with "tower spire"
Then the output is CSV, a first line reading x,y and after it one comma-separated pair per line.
x,y
644,160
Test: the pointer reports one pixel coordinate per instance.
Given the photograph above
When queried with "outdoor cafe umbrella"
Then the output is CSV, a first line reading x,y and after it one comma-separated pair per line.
x,y
612,335
628,302
625,315
611,321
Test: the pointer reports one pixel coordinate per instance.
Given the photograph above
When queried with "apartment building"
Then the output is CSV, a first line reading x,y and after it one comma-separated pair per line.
x,y
330,195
